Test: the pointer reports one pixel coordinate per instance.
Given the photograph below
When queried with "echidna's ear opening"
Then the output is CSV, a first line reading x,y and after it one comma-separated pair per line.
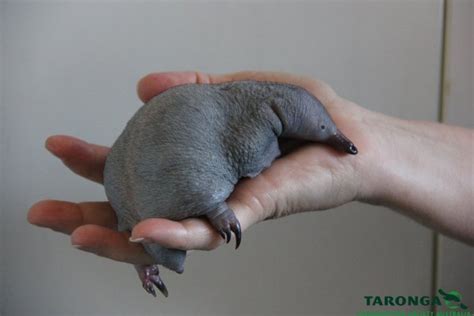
x,y
342,143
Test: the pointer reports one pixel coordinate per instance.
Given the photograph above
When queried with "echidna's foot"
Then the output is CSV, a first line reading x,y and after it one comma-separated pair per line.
x,y
224,221
150,276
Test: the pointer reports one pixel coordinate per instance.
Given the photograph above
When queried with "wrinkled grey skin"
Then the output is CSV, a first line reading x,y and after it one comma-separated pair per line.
x,y
183,152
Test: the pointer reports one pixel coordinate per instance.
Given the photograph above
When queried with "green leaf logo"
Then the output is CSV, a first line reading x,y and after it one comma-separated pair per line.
x,y
452,299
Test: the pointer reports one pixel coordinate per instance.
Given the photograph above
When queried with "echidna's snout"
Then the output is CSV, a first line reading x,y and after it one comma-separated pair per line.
x,y
342,143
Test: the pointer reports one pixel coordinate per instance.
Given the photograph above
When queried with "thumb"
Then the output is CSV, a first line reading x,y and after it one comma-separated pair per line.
x,y
191,233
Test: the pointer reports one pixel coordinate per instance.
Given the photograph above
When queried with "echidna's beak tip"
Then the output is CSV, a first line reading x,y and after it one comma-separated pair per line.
x,y
342,143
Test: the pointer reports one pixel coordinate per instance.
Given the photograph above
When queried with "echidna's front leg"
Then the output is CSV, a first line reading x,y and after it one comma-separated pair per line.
x,y
224,221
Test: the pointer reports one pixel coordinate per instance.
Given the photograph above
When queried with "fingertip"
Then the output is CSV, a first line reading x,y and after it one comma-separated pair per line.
x,y
61,145
46,212
158,82
35,213
53,144
108,243
83,236
146,86
92,236
50,144
83,158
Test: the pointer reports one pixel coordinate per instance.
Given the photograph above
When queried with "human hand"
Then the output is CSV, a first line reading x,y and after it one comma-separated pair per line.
x,y
309,177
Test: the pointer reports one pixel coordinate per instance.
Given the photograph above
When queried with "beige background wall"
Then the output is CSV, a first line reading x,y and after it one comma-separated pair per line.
x,y
71,68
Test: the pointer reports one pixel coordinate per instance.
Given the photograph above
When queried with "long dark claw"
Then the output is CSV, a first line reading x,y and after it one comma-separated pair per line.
x,y
238,233
228,235
149,288
224,221
159,284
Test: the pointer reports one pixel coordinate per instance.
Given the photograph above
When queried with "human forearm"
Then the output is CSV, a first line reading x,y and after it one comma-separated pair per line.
x,y
425,170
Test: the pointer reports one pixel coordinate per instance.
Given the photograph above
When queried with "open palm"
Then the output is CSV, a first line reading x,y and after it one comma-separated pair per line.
x,y
308,177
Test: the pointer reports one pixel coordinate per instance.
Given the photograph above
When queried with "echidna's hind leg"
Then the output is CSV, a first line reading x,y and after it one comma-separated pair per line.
x,y
150,276
224,221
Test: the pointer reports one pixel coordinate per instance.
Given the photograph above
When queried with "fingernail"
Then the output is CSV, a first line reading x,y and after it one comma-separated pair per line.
x,y
136,239
50,146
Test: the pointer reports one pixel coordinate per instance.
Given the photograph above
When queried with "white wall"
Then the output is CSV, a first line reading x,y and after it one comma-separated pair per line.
x,y
72,67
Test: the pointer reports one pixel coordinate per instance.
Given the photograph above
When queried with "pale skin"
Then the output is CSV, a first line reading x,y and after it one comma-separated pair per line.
x,y
423,169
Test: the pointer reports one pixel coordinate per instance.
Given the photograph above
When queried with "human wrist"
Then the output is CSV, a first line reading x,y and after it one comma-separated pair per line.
x,y
376,166
392,166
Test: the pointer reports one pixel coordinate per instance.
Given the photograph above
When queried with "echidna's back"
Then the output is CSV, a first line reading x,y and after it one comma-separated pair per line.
x,y
169,161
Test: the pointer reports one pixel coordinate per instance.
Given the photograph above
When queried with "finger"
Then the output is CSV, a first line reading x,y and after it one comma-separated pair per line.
x,y
155,83
188,234
65,217
109,243
86,160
